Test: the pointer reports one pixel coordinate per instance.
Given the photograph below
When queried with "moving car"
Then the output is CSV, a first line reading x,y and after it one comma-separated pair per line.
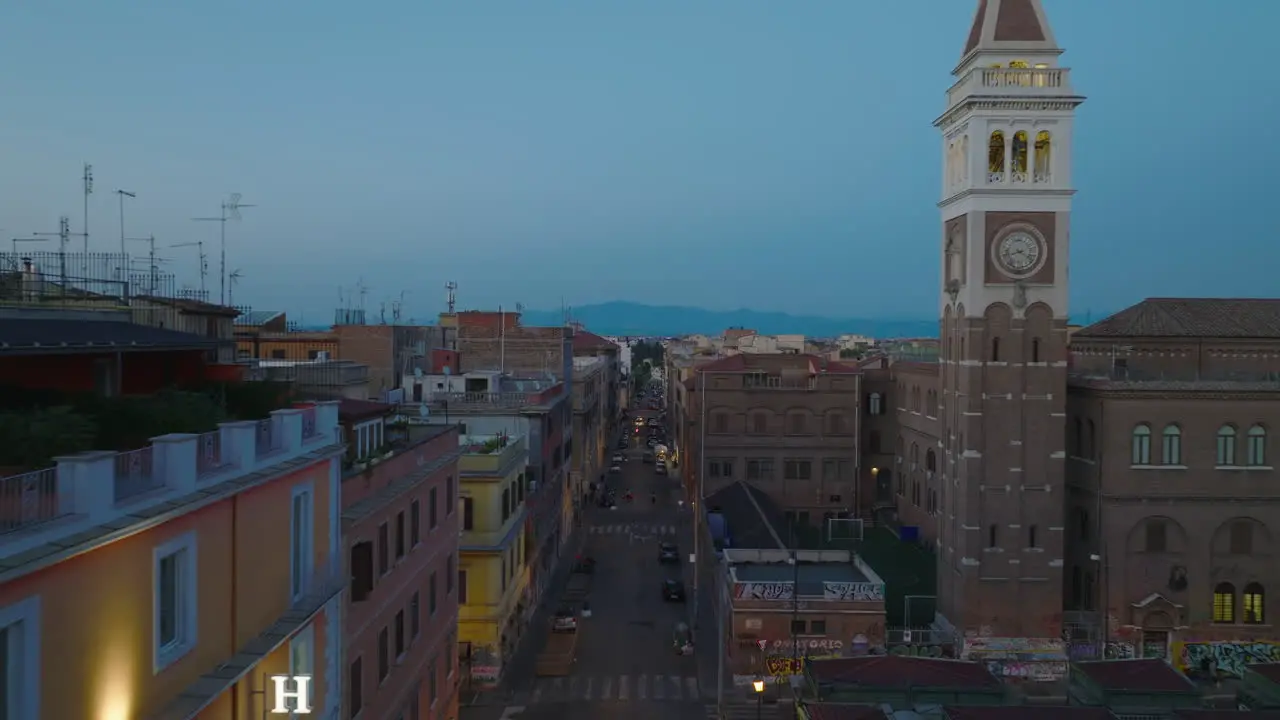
x,y
660,469
672,590
615,469
619,459
668,554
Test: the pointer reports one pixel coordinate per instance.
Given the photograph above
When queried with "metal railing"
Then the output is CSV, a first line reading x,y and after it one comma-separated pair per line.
x,y
135,474
29,499
79,279
209,457
499,399
267,438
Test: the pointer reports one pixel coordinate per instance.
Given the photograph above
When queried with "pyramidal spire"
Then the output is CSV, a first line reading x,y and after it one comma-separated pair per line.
x,y
1009,26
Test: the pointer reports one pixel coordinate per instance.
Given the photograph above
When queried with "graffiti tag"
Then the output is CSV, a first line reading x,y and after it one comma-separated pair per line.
x,y
924,651
1115,650
814,644
762,591
1229,659
853,591
1043,671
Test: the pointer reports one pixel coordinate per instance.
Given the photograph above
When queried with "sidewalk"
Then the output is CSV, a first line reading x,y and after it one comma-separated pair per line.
x,y
519,669
702,616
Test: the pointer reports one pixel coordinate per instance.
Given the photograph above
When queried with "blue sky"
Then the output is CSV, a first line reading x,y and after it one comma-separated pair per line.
x,y
772,155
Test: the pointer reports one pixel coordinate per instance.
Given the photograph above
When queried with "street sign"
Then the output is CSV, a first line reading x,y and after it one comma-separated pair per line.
x,y
762,643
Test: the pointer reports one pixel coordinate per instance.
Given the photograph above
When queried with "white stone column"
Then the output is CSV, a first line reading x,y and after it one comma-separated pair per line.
x,y
239,447
87,484
174,460
288,428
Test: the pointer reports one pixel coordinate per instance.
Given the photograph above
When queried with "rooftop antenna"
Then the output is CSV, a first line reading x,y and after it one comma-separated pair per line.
x,y
204,262
152,267
362,291
87,179
234,279
64,237
397,306
230,211
452,288
502,341
382,312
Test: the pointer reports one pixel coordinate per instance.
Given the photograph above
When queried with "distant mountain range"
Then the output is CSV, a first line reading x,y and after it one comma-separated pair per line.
x,y
627,318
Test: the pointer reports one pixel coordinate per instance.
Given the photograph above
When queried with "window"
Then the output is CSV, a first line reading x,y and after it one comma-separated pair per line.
x,y
431,594
433,508
1031,536
20,684
449,494
759,424
302,541
1252,604
506,504
174,598
520,488
1241,540
1035,350
718,468
835,423
1043,154
433,690
1255,453
384,549
415,616
1157,536
995,349
873,441
930,461
450,574
399,536
1224,603
817,627
355,681
797,424
400,637
277,354
1226,446
1090,438
797,469
931,404
361,571
760,469
992,535
384,655
468,514
1171,445
875,404
798,627
302,652
462,587
1141,445
720,423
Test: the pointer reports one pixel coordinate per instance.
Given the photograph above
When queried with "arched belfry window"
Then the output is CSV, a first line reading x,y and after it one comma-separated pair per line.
x,y
1044,156
995,157
1020,156
1019,64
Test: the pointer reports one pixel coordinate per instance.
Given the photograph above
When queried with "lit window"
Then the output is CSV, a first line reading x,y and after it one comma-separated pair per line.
x,y
1252,602
1224,603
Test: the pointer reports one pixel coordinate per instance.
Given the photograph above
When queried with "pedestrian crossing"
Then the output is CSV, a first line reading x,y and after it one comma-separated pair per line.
x,y
632,529
622,688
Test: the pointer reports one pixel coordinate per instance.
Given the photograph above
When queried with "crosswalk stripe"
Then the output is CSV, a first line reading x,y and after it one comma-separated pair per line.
x,y
677,690
659,692
691,687
573,685
586,691
623,688
641,687
606,692
537,691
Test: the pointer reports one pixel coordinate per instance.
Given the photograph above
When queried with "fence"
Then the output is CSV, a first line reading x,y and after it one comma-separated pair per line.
x,y
79,280
135,474
209,458
29,499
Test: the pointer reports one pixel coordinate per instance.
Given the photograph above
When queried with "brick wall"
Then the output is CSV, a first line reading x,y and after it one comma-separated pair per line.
x,y
371,345
518,350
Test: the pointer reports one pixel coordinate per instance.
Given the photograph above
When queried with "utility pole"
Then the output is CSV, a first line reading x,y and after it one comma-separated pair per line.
x,y
230,211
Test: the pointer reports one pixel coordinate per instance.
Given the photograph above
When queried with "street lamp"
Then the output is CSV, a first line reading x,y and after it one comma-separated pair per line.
x,y
758,686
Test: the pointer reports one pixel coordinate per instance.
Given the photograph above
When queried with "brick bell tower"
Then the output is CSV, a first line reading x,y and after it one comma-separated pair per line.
x,y
1006,206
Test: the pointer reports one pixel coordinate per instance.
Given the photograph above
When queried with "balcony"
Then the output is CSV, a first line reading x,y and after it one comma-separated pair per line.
x,y
777,382
493,540
96,488
490,455
1028,82
462,401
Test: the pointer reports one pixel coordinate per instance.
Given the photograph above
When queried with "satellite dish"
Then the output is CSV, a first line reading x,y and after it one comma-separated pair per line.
x,y
417,372
423,410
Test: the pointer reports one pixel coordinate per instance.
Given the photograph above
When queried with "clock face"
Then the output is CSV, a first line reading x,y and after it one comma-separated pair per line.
x,y
1019,252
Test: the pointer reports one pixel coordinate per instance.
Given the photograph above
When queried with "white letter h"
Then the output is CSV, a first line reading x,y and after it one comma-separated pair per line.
x,y
301,695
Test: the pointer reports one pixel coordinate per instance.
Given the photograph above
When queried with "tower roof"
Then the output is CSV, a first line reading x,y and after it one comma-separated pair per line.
x,y
1009,26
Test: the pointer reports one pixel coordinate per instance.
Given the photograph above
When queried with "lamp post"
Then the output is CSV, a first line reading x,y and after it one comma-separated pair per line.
x,y
758,686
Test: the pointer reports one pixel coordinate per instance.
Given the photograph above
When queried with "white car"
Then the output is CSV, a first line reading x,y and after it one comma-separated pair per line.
x,y
615,469
619,459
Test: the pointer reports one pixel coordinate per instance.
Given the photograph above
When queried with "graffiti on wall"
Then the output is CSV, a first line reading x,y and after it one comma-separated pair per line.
x,y
809,647
944,650
853,591
1115,650
1227,659
1038,671
1032,659
762,591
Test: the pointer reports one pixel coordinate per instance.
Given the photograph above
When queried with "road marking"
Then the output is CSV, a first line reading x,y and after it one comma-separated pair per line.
x,y
624,691
572,692
586,692
659,689
606,692
691,687
557,688
641,686
537,691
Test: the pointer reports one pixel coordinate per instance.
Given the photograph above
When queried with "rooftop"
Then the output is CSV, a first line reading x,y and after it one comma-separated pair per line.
x,y
815,569
1008,25
41,336
751,519
1199,714
1175,318
587,341
353,410
900,673
1135,675
255,318
766,362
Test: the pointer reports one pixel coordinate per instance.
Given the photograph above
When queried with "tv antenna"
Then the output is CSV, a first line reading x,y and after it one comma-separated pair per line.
x,y
234,279
397,307
87,180
362,291
153,268
204,262
452,288
64,237
230,211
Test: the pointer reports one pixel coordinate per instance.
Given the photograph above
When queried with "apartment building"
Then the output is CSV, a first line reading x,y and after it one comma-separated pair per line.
x,y
174,579
592,426
496,550
788,424
400,527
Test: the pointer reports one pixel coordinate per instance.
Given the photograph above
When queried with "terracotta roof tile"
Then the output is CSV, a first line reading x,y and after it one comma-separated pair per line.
x,y
349,409
1137,675
842,711
1016,21
1014,712
587,340
1191,318
891,671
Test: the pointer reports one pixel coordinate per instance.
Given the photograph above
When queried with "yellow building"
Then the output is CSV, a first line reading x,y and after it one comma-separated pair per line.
x,y
493,575
173,581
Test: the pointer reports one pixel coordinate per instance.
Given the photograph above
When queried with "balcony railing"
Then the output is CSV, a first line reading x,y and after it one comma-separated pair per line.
x,y
99,487
1031,82
498,399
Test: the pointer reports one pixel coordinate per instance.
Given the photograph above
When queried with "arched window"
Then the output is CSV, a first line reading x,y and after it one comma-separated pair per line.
x,y
992,535
951,163
1142,445
899,450
1020,156
1035,350
932,409
1171,445
1224,603
1251,602
1256,447
930,460
1044,154
1226,446
915,456
995,349
875,404
1032,540
1090,437
995,157
1019,64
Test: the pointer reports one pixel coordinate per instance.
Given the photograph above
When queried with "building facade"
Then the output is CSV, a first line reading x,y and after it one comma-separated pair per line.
x,y
496,549
400,529
592,427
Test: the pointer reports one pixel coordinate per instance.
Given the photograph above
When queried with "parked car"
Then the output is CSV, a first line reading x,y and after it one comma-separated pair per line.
x,y
668,554
615,469
672,590
566,620
660,469
618,459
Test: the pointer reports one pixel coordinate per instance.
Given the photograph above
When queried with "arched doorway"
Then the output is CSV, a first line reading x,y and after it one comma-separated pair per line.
x,y
1156,630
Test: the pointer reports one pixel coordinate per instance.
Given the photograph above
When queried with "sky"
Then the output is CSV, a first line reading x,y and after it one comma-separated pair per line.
x,y
714,153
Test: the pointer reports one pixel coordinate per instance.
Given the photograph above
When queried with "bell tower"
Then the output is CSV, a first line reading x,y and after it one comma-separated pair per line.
x,y
1006,206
